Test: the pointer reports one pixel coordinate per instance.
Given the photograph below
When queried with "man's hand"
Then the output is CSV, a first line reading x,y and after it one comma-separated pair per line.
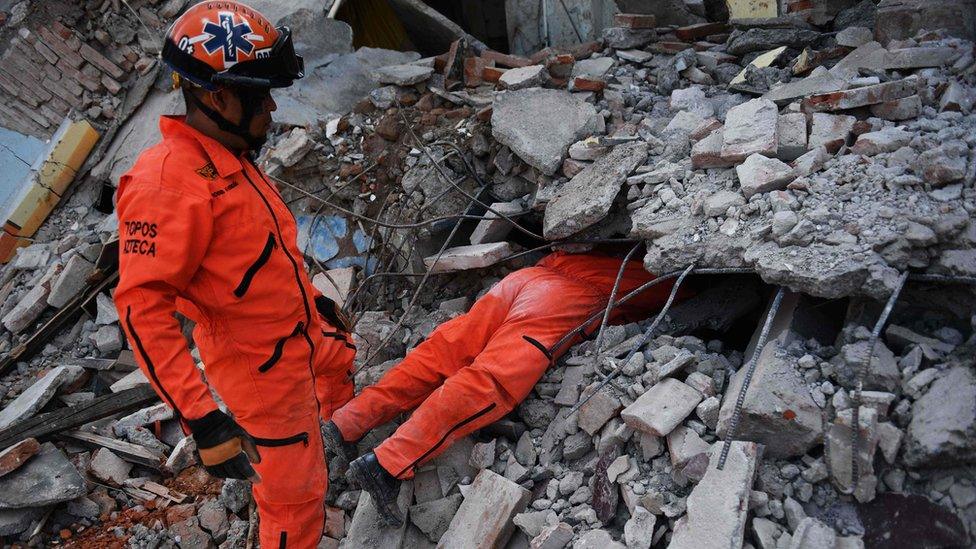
x,y
225,448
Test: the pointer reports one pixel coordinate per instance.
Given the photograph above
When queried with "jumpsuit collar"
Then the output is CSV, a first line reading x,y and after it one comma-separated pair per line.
x,y
224,161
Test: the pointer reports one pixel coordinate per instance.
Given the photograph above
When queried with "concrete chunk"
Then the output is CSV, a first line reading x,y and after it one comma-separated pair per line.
x,y
905,108
830,131
707,152
639,529
539,124
46,479
813,534
433,517
532,76
109,468
597,411
662,408
587,198
860,97
761,174
27,309
495,228
719,203
719,503
798,89
71,281
463,258
792,130
943,427
778,410
484,520
887,139
556,536
811,162
402,75
750,128
335,284
39,394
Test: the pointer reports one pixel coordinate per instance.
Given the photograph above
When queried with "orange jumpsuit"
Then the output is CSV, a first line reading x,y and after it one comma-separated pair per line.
x,y
476,368
204,232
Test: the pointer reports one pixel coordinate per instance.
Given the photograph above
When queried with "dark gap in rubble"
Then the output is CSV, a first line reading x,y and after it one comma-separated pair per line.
x,y
484,19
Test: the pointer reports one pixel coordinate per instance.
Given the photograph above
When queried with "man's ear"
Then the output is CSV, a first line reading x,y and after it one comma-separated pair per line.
x,y
221,100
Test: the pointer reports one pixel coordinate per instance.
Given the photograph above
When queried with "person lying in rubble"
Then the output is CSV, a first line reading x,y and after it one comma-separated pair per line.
x,y
476,368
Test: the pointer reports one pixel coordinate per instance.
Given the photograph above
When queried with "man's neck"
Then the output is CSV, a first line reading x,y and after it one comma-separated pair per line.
x,y
204,125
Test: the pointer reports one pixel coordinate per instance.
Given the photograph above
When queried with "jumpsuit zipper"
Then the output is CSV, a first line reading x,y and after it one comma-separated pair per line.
x,y
298,279
245,283
273,442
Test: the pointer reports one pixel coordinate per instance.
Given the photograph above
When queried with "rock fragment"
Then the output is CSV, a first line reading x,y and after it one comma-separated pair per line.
x,y
46,479
662,408
750,128
587,198
484,519
719,503
761,174
539,124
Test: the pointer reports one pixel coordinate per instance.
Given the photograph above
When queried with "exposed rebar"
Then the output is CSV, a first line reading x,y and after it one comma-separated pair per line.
x,y
750,370
611,302
859,385
643,341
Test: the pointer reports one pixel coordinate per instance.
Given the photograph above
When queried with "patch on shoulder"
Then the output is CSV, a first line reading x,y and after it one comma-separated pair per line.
x,y
208,171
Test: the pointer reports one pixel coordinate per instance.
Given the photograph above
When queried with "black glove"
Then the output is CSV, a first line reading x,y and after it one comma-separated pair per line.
x,y
225,448
331,311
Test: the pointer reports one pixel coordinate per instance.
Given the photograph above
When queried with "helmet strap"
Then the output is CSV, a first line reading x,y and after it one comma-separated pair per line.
x,y
249,109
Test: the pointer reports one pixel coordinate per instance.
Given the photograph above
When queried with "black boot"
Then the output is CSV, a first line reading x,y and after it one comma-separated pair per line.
x,y
335,445
382,487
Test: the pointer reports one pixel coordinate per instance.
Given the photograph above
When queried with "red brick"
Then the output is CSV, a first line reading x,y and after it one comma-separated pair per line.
x,y
26,51
584,50
69,37
484,114
492,74
20,121
583,83
89,54
541,55
111,85
33,114
635,21
62,90
46,52
59,106
53,116
505,60
668,47
30,86
701,30
91,84
60,47
472,70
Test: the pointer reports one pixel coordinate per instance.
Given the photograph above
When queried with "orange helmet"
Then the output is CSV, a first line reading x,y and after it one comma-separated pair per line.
x,y
224,42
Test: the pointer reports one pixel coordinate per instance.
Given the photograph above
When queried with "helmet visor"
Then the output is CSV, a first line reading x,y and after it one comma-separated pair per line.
x,y
277,67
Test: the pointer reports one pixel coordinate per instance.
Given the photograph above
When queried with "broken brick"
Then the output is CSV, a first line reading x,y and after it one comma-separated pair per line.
x,y
635,21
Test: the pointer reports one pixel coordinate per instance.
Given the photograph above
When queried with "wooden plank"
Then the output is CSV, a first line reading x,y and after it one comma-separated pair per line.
x,y
162,491
45,425
128,451
100,364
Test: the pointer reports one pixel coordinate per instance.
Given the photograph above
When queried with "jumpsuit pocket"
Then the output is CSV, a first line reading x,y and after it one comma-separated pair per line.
x,y
245,283
286,441
280,347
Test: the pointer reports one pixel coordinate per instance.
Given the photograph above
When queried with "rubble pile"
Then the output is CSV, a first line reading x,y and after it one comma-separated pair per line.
x,y
823,152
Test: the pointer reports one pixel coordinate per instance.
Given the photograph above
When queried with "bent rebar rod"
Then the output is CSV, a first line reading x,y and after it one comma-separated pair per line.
x,y
856,416
750,370
643,341
611,301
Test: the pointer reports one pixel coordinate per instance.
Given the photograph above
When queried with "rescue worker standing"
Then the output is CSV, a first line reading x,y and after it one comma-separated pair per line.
x,y
206,234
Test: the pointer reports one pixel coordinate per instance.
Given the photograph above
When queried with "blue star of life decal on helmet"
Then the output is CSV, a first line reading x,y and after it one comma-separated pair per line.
x,y
229,37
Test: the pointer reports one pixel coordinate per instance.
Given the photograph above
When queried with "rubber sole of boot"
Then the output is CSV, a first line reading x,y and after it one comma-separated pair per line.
x,y
334,445
388,510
